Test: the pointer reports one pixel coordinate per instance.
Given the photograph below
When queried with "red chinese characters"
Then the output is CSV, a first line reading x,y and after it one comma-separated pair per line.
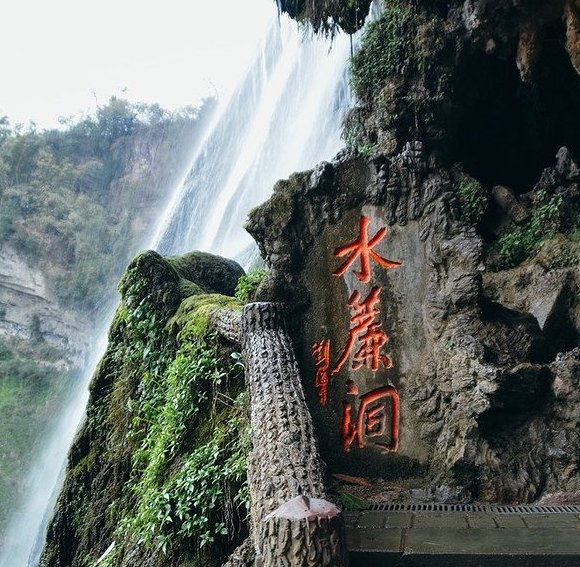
x,y
365,340
368,332
363,247
321,355
371,419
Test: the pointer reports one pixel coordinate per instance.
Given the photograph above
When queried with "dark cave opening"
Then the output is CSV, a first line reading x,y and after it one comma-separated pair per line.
x,y
508,131
521,396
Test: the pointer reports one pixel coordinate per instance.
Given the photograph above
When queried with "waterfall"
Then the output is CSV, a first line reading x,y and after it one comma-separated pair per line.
x,y
26,532
284,116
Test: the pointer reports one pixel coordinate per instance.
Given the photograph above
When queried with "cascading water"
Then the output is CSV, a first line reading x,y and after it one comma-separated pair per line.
x,y
26,532
285,116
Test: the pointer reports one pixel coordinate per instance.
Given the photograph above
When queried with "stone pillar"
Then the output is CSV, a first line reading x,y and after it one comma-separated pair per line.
x,y
292,523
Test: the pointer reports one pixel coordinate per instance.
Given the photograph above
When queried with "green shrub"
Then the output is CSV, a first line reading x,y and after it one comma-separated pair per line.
x,y
519,244
353,135
249,283
474,200
386,49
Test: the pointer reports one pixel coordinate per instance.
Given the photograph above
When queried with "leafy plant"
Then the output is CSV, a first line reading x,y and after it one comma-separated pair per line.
x,y
249,283
190,430
519,244
474,200
385,49
354,136
352,502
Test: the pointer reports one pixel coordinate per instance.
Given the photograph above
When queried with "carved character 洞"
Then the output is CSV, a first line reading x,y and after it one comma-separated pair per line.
x,y
371,419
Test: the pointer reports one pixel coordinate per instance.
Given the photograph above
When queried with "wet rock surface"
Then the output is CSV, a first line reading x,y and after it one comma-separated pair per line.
x,y
475,362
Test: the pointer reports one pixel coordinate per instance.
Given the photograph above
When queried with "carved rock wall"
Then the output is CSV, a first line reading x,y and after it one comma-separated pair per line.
x,y
473,375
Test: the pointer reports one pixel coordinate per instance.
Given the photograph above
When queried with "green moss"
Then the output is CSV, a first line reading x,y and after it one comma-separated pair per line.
x,y
522,241
168,379
354,135
194,313
151,278
279,208
181,491
189,288
386,49
86,464
119,319
119,415
208,271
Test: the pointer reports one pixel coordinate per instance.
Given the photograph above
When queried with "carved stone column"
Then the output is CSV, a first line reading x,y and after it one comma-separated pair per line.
x,y
227,323
292,524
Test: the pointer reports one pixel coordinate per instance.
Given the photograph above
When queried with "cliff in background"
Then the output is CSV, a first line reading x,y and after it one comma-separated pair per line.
x,y
75,206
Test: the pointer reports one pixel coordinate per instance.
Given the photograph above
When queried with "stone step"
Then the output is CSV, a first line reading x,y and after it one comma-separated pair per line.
x,y
466,539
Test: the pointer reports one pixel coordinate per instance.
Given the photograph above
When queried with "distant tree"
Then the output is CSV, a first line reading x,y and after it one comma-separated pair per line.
x,y
118,118
5,130
19,154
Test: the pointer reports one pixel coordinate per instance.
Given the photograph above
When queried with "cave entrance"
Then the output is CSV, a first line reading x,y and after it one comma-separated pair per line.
x,y
508,131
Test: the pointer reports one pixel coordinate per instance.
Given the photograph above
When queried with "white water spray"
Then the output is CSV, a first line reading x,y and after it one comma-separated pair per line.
x,y
285,116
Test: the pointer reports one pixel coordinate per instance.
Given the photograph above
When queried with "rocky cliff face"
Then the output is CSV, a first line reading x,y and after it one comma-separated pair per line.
x,y
30,311
152,162
490,84
484,413
463,109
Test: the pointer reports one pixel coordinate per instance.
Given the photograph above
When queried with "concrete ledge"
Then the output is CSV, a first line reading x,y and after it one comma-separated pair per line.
x,y
462,539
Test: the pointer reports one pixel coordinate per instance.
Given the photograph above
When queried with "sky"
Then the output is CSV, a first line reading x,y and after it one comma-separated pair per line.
x,y
61,58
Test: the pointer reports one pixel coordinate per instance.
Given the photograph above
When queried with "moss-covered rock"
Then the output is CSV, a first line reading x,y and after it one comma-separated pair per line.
x,y
151,277
210,272
159,465
195,312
